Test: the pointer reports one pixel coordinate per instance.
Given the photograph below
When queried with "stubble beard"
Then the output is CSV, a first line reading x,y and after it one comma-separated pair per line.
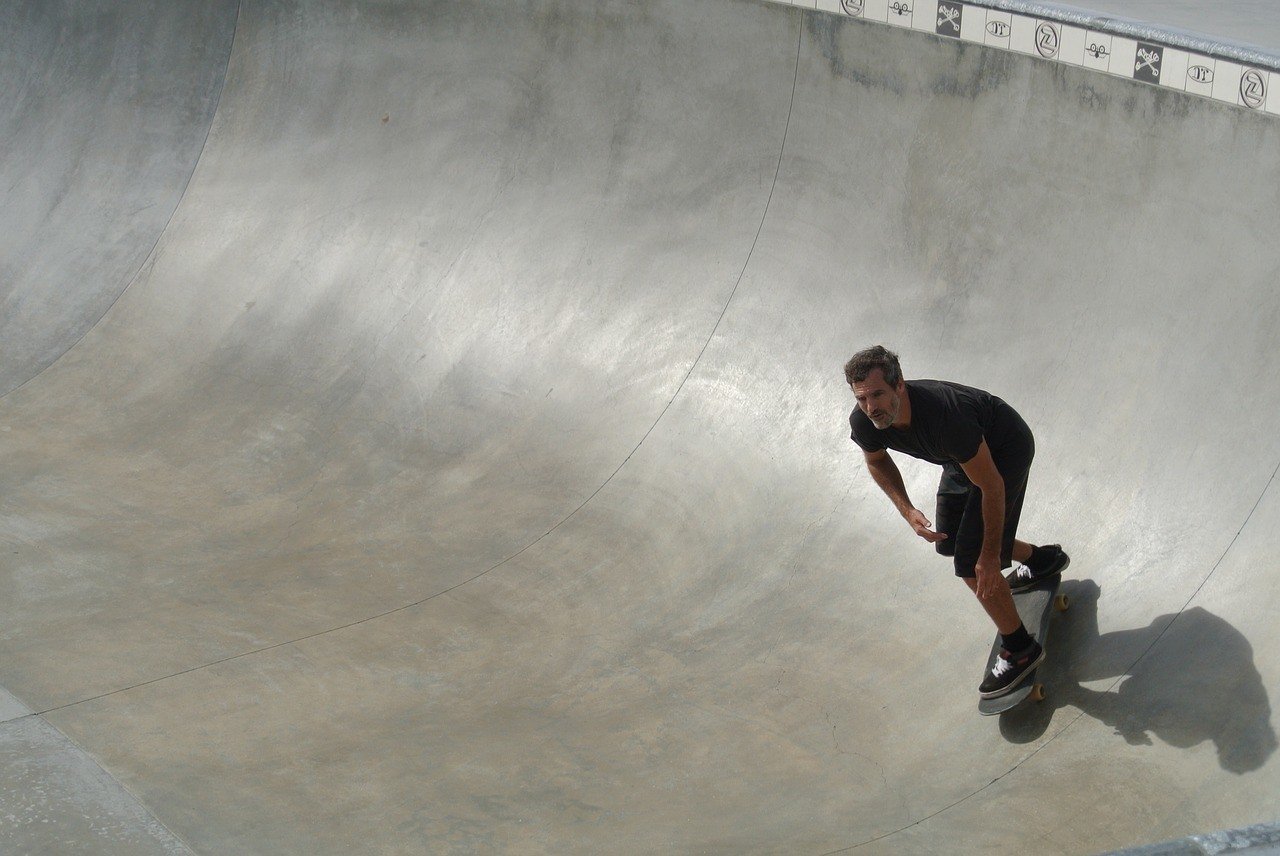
x,y
886,417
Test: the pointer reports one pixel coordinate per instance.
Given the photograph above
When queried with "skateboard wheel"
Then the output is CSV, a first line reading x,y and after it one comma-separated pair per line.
x,y
1037,692
1061,602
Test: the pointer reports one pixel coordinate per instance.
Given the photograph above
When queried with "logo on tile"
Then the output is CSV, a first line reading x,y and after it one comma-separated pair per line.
x,y
1253,88
1147,65
1097,51
900,9
1200,74
1048,39
949,19
999,29
853,7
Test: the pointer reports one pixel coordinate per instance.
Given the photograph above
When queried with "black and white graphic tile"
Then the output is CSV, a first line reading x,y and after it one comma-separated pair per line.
x,y
1047,39
901,12
1254,83
998,31
948,22
1144,61
1148,63
1200,75
1097,51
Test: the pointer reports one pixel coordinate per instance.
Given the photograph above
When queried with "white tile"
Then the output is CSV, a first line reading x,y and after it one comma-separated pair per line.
x,y
831,6
925,16
1072,40
1201,74
1273,97
1124,54
1023,37
1097,51
1226,82
1173,68
998,30
974,27
805,4
876,10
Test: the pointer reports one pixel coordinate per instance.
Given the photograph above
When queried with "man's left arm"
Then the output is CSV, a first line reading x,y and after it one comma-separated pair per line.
x,y
981,470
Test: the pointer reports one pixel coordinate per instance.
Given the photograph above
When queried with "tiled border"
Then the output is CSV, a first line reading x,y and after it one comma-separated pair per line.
x,y
1109,49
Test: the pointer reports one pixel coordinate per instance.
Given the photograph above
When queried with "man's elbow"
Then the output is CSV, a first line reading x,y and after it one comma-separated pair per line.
x,y
987,481
993,488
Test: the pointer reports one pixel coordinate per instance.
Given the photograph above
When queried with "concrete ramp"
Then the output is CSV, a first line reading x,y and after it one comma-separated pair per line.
x,y
467,469
106,106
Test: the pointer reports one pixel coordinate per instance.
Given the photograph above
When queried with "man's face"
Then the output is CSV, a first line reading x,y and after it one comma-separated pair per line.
x,y
878,400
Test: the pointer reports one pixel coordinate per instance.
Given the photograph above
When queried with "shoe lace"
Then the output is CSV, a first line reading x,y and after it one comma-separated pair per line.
x,y
1002,665
1022,572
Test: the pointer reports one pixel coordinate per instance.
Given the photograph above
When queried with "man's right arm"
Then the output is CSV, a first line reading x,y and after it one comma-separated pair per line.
x,y
887,475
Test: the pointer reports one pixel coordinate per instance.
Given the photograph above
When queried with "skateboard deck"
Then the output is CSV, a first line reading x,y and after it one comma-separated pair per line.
x,y
1034,606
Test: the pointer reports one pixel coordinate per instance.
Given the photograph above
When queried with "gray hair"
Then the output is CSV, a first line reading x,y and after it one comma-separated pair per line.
x,y
868,360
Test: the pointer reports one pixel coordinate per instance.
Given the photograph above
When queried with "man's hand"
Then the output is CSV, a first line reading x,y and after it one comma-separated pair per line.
x,y
989,576
923,526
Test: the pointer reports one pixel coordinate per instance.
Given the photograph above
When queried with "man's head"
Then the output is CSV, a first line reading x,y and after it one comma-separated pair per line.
x,y
875,377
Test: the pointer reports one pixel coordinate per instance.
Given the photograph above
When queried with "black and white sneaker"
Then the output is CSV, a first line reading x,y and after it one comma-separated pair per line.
x,y
1023,577
1010,670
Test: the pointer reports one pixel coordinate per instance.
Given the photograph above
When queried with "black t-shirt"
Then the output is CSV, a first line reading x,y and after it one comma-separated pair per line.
x,y
948,424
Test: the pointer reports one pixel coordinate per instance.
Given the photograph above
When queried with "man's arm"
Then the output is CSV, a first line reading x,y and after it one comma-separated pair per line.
x,y
886,474
981,470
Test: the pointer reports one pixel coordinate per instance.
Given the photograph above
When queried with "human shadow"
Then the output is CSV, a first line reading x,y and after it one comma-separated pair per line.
x,y
1198,683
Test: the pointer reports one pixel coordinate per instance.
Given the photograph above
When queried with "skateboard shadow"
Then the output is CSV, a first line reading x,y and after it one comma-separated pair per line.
x,y
1199,683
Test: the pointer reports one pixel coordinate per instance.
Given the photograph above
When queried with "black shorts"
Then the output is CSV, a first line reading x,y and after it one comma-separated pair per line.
x,y
960,513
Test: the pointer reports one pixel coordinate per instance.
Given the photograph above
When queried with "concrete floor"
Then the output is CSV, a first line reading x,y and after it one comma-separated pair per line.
x,y
462,465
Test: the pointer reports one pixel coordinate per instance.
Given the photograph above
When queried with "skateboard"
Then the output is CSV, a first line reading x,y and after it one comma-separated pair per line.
x,y
1034,607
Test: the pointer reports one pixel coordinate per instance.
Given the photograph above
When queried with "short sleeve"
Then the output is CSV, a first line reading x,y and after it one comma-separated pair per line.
x,y
964,436
862,432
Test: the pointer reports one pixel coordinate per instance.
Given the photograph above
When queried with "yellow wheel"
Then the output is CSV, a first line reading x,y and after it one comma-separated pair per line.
x,y
1037,692
1061,602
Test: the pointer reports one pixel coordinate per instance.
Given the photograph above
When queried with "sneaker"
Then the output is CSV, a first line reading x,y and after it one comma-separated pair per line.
x,y
1010,670
1022,577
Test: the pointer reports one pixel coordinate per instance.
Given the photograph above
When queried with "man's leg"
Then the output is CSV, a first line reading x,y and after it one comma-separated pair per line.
x,y
1041,561
1020,652
1035,564
959,515
999,606
968,539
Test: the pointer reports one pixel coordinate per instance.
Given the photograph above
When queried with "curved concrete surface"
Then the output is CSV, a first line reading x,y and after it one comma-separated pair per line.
x,y
467,470
106,106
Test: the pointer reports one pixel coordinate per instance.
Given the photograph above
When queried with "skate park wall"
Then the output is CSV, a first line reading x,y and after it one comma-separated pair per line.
x,y
466,469
106,107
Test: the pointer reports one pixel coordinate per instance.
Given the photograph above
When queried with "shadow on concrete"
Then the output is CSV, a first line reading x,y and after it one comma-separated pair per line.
x,y
1198,683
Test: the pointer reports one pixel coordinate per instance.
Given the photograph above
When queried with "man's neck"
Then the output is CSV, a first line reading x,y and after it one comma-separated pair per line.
x,y
903,422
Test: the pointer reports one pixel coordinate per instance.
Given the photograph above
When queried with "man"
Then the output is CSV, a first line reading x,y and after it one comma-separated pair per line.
x,y
985,450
